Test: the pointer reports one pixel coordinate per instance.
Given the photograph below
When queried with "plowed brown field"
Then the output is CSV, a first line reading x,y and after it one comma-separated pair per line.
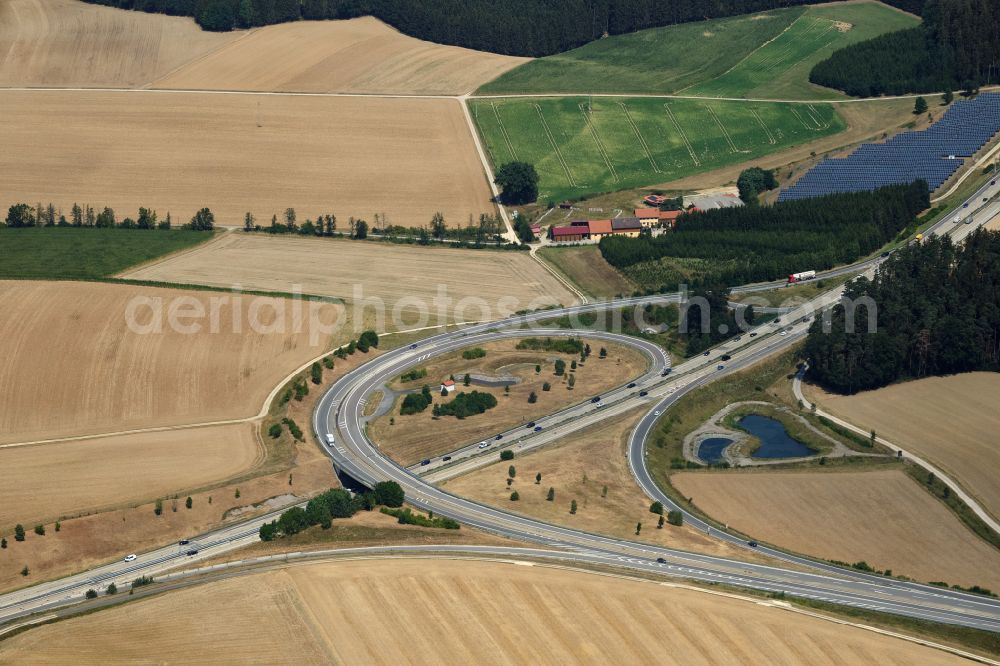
x,y
881,517
951,422
380,270
71,43
455,613
362,55
179,152
72,366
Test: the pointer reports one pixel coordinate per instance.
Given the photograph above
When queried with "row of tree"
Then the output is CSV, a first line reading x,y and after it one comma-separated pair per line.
x,y
937,310
957,46
759,243
488,230
516,27
21,215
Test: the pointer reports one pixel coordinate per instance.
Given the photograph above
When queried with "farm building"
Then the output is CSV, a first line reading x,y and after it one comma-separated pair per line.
x,y
654,217
626,226
448,385
600,228
569,234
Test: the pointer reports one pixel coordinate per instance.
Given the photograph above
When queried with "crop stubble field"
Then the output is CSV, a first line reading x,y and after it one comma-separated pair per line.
x,y
361,55
949,421
881,517
87,475
179,152
72,43
382,270
453,612
74,367
582,145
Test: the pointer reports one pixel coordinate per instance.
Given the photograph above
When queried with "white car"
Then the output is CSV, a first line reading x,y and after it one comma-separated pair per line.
x,y
483,445
656,413
130,558
784,333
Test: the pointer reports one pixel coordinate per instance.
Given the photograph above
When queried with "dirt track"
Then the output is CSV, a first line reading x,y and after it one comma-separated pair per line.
x,y
428,611
950,421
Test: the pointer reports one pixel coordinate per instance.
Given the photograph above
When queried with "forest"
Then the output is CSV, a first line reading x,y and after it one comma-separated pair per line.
x,y
956,47
761,243
938,312
513,27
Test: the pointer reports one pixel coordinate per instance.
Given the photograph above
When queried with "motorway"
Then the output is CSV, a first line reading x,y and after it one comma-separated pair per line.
x,y
340,412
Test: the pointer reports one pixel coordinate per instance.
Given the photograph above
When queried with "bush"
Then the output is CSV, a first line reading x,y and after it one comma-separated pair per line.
x,y
413,375
656,507
514,496
474,353
389,493
40,530
518,182
563,345
91,593
141,581
468,404
414,403
294,428
19,532
675,518
533,398
408,517
546,386
112,589
316,371
274,431
506,454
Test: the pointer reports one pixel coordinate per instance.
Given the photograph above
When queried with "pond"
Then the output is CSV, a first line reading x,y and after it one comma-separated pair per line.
x,y
710,450
775,442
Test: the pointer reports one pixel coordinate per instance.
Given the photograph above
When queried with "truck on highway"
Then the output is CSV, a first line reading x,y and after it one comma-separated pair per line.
x,y
799,277
330,441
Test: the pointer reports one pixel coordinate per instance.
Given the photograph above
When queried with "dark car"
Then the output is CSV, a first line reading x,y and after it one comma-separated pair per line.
x,y
706,353
425,461
965,205
725,357
660,560
183,542
738,338
643,394
752,544
885,254
753,335
413,346
530,425
632,385
538,428
777,321
193,551
665,372
498,437
446,458
596,399
720,367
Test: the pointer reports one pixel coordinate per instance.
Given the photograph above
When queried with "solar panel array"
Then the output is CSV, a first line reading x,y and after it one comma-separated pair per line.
x,y
933,154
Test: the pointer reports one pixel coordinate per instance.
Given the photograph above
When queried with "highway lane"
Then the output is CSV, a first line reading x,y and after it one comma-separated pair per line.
x,y
957,607
339,412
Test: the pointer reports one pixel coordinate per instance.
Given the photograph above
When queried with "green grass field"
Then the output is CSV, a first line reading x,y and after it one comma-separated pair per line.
x,y
780,69
60,253
623,143
766,55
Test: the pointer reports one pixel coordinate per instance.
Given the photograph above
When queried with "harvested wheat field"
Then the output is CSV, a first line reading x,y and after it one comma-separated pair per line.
x,y
951,422
409,439
881,517
362,55
455,612
356,270
178,152
87,475
73,366
577,468
72,43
